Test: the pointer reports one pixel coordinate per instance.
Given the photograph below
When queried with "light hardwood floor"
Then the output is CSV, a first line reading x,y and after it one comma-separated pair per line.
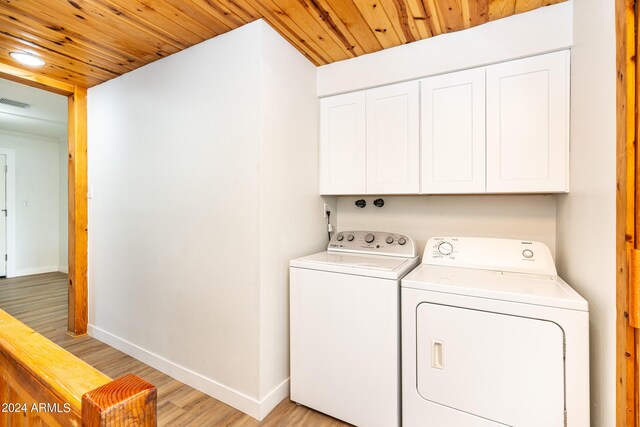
x,y
40,301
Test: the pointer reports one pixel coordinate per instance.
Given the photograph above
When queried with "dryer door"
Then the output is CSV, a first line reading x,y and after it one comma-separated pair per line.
x,y
504,368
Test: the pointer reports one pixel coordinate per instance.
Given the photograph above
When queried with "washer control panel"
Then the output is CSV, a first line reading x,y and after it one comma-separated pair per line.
x,y
508,255
373,242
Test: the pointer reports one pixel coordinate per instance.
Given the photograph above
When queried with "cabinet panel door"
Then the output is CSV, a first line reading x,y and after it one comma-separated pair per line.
x,y
392,139
453,132
528,125
342,144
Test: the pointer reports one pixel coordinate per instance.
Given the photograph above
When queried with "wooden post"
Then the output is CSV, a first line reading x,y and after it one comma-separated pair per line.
x,y
128,400
77,171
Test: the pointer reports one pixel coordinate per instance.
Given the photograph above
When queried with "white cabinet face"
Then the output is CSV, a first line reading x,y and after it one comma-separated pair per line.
x,y
393,163
342,144
528,125
452,117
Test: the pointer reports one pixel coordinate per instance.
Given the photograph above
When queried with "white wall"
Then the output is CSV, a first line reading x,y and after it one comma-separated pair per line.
x,y
539,31
422,217
292,223
63,251
174,162
586,216
194,216
37,226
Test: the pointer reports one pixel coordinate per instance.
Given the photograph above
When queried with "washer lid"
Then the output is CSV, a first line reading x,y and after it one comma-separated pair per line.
x,y
545,290
386,267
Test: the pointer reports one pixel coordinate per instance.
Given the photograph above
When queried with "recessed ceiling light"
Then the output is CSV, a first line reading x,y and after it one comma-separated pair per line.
x,y
27,59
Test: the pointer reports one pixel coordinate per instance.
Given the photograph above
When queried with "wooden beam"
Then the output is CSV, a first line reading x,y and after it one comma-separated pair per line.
x,y
35,372
626,134
32,78
128,398
77,171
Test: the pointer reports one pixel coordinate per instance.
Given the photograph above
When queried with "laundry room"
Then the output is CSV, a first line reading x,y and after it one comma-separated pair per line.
x,y
327,213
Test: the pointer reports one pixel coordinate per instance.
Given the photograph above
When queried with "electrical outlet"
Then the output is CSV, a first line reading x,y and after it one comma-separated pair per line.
x,y
327,207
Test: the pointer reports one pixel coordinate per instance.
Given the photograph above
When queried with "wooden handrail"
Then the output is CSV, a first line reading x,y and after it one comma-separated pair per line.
x,y
43,384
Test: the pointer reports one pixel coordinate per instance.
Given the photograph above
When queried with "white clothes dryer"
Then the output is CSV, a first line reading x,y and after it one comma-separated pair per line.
x,y
491,336
345,327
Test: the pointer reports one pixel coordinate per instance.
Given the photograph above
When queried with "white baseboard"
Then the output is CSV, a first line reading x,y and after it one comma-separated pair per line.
x,y
31,271
272,399
257,409
63,269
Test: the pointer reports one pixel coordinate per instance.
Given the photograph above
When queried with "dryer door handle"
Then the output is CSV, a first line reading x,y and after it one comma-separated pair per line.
x,y
436,354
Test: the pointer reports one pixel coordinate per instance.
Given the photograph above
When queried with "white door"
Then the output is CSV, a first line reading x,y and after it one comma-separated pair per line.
x,y
342,144
393,148
3,215
528,124
499,367
453,132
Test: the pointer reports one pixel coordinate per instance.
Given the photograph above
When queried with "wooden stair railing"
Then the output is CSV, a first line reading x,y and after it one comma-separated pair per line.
x,y
42,384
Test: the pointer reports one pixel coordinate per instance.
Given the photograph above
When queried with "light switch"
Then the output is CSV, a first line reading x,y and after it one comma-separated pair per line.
x,y
90,192
26,203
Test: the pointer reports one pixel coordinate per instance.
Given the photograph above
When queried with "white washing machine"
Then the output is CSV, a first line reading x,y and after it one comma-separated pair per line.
x,y
345,327
491,336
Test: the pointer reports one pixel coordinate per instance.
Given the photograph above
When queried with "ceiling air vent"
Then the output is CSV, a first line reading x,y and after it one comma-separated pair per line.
x,y
13,103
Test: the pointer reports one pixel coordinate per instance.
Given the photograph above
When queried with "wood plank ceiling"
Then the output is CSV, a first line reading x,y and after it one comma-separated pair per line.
x,y
86,42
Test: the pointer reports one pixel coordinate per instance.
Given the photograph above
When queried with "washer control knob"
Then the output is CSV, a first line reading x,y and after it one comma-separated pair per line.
x,y
527,253
369,238
402,241
445,248
350,237
389,240
339,237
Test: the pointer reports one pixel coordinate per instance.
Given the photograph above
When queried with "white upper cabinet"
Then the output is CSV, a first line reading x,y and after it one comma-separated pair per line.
x,y
342,144
452,115
528,125
503,128
393,149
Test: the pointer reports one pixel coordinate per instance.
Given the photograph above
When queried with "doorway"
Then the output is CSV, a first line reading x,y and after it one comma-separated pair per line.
x,y
33,181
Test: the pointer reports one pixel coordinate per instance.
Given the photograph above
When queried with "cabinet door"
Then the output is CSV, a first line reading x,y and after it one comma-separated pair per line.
x,y
342,144
453,132
393,151
528,125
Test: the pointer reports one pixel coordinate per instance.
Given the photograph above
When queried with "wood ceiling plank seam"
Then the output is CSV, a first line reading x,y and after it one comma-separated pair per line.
x,y
246,12
433,19
329,26
44,20
73,53
419,16
197,13
466,14
74,72
12,44
478,12
283,25
526,5
219,12
142,10
336,27
378,20
180,18
160,39
307,21
93,33
501,8
450,14
352,18
398,13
